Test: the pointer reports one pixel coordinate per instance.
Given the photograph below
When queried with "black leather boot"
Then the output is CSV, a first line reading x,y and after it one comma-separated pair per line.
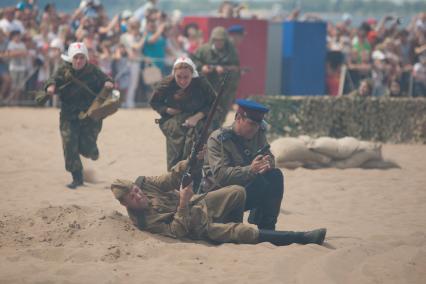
x,y
284,238
77,180
255,216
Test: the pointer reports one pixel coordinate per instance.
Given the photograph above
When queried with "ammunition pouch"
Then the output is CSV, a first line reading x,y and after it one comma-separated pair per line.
x,y
105,104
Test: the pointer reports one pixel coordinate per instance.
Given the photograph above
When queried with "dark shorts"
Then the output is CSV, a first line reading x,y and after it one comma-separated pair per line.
x,y
4,69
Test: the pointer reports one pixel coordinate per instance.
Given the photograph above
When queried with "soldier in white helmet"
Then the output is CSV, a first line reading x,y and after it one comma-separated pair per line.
x,y
77,82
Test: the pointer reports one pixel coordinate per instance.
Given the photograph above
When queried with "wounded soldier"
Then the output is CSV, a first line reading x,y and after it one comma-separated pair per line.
x,y
155,205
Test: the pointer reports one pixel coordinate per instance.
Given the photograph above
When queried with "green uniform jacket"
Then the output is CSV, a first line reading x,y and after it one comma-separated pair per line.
x,y
163,216
229,156
195,221
228,56
74,98
198,96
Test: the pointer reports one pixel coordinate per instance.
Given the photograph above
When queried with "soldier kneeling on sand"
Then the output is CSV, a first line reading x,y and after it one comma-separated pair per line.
x,y
155,205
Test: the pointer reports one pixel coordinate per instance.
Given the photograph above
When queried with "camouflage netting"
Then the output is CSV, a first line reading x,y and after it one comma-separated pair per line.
x,y
393,120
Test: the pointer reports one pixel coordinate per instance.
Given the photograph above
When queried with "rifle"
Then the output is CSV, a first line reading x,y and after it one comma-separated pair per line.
x,y
198,145
232,68
41,97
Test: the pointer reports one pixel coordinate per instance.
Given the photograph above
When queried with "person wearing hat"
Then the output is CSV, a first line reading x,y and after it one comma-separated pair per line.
x,y
233,158
154,205
183,99
76,82
213,60
236,34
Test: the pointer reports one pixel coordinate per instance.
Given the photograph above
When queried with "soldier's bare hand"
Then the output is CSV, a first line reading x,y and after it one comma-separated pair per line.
x,y
206,69
200,154
267,164
51,90
173,111
185,195
219,69
108,85
260,164
191,121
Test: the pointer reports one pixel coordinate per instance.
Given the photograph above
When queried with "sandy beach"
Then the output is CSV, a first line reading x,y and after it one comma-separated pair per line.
x,y
376,219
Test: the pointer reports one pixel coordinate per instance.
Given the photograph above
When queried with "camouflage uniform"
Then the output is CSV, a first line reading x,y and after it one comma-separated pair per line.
x,y
216,216
78,136
227,162
198,97
228,56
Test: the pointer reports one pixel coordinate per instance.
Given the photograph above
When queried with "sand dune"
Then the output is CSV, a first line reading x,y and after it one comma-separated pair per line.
x,y
376,219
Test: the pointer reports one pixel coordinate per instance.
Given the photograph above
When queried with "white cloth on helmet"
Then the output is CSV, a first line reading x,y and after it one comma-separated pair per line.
x,y
187,60
74,49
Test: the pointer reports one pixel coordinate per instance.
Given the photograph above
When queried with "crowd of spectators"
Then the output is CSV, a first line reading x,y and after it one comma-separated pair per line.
x,y
386,57
131,47
127,47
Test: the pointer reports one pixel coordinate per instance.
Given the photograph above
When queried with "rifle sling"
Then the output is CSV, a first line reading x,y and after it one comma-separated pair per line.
x,y
82,85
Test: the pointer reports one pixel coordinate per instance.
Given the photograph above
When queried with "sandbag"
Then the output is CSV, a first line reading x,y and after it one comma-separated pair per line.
x,y
366,146
325,145
290,165
358,159
335,148
290,149
346,147
306,139
380,164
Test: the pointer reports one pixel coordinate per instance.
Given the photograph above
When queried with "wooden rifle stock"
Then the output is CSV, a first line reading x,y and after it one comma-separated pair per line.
x,y
198,145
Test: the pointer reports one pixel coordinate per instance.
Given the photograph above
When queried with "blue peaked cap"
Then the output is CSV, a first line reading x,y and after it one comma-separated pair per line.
x,y
252,105
251,109
236,29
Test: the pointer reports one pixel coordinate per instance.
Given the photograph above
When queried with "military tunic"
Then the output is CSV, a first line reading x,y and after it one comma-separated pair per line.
x,y
229,156
197,97
215,216
228,56
78,136
228,161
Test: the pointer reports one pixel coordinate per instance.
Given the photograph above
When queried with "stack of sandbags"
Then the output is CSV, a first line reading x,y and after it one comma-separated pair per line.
x,y
292,152
347,152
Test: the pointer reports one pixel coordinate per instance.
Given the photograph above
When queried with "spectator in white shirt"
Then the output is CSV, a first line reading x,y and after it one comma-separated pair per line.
x,y
8,23
17,53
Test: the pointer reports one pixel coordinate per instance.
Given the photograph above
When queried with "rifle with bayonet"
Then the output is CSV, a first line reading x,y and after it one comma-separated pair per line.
x,y
199,143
